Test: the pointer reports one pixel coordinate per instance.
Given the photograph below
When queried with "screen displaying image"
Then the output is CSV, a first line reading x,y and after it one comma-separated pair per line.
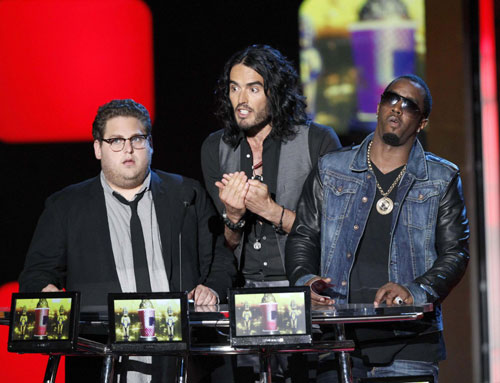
x,y
147,320
351,50
41,319
270,314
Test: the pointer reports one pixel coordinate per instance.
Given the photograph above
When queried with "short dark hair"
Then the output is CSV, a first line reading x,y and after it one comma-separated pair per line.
x,y
116,108
281,85
417,80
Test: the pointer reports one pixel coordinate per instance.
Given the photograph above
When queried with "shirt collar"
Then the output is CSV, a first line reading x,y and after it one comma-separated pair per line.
x,y
108,190
417,165
269,137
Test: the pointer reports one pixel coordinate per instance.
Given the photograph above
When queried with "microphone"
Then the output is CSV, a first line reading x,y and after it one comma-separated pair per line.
x,y
186,206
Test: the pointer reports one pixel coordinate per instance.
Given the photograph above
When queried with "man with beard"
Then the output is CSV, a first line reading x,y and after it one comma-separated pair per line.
x,y
384,222
255,167
121,231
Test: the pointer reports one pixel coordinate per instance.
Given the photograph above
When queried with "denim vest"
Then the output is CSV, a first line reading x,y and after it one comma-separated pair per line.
x,y
349,192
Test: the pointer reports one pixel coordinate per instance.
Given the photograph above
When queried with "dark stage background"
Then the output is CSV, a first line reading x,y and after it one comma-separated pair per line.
x,y
192,41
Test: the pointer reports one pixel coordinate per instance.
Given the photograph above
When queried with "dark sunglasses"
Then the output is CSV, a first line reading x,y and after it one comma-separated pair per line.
x,y
408,106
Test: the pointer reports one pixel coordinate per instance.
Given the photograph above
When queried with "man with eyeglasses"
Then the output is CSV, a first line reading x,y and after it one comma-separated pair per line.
x,y
130,229
384,223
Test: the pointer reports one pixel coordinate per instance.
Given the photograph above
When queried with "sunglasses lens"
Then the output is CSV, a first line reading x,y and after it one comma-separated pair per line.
x,y
389,98
411,108
408,106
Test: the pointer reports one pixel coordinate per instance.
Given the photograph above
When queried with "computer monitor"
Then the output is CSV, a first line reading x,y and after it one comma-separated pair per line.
x,y
277,317
44,322
148,323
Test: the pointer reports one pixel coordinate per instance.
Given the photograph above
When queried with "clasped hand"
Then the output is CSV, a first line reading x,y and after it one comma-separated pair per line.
x,y
239,194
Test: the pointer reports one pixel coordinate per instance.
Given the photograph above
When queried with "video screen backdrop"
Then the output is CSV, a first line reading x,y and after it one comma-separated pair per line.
x,y
350,51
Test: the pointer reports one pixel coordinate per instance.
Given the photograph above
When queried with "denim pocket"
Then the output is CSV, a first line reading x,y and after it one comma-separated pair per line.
x,y
337,198
420,207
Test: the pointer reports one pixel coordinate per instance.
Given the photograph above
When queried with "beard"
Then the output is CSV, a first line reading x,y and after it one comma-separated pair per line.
x,y
391,139
261,119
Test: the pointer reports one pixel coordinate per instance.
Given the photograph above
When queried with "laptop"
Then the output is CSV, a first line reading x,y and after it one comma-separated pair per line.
x,y
148,323
44,322
277,317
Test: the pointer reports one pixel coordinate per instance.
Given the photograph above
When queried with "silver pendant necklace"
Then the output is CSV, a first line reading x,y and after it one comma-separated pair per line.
x,y
257,245
384,205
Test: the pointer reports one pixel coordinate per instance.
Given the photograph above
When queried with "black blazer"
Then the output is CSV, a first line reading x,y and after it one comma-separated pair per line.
x,y
71,247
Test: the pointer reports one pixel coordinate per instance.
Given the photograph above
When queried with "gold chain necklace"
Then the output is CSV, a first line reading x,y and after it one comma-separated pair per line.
x,y
384,205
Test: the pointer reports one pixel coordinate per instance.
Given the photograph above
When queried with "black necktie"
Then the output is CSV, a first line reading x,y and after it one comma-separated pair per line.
x,y
138,247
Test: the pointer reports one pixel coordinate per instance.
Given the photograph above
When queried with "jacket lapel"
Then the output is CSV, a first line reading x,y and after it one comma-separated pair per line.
x,y
99,220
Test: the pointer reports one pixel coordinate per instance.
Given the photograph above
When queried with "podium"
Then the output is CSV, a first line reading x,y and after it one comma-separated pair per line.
x,y
93,320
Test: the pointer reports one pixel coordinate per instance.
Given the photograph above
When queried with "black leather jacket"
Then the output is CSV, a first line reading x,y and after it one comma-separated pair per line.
x,y
429,233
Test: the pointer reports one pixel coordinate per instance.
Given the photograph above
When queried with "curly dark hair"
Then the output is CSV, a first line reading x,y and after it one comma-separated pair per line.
x,y
281,85
417,80
116,108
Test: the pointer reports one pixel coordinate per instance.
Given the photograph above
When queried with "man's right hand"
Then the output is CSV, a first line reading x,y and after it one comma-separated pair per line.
x,y
232,191
317,299
50,288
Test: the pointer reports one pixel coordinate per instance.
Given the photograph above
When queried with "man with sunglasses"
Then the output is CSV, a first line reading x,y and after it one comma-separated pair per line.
x,y
384,223
122,230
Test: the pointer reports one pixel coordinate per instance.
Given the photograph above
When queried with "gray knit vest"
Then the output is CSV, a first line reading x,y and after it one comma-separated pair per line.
x,y
294,167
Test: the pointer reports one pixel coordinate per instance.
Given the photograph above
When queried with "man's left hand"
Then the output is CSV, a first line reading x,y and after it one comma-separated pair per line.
x,y
202,295
390,292
259,201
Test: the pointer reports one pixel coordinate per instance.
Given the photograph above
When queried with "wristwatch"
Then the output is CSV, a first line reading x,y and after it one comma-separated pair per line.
x,y
233,226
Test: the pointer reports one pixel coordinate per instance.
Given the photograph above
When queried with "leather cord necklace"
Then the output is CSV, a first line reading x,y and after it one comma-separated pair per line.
x,y
257,245
256,176
384,205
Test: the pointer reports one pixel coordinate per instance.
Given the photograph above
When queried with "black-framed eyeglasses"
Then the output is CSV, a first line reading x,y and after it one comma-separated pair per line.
x,y
408,106
118,143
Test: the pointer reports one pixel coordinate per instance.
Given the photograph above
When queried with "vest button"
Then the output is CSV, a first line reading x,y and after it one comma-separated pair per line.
x,y
364,199
349,255
356,227
344,283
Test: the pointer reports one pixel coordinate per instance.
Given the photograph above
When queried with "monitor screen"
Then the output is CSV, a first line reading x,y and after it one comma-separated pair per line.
x,y
270,316
148,323
44,322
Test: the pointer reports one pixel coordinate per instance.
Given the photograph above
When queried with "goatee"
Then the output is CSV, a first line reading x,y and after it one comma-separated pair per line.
x,y
261,120
257,126
391,139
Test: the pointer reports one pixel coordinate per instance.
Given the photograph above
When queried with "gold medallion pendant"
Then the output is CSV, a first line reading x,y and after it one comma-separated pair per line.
x,y
384,205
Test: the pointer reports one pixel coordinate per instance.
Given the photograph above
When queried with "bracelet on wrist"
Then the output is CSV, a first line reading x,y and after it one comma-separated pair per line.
x,y
230,224
279,227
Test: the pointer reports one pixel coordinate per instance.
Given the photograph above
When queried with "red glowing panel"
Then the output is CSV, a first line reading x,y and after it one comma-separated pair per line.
x,y
491,179
61,59
16,367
